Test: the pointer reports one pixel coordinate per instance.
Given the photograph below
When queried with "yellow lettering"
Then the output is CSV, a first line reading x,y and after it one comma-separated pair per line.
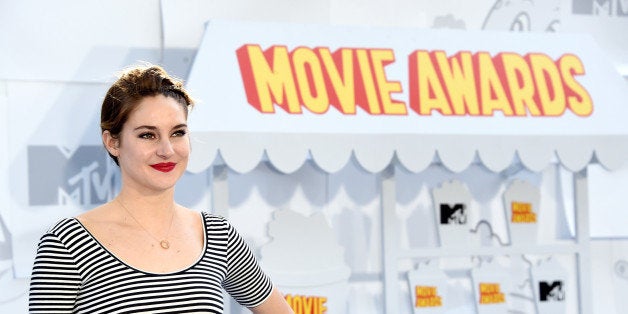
x,y
459,81
489,287
490,293
266,84
524,218
368,84
301,304
426,296
427,86
492,298
549,87
297,305
425,291
522,213
380,58
309,75
578,99
520,84
308,305
343,97
492,94
518,207
321,305
434,301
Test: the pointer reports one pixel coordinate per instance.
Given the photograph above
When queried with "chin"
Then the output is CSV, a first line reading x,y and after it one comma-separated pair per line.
x,y
164,183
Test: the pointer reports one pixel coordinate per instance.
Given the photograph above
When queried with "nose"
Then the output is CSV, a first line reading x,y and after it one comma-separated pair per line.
x,y
165,149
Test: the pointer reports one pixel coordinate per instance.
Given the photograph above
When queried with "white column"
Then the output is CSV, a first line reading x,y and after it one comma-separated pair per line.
x,y
220,206
581,202
390,237
220,190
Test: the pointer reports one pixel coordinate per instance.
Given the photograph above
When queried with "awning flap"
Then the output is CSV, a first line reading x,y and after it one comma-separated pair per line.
x,y
333,94
287,152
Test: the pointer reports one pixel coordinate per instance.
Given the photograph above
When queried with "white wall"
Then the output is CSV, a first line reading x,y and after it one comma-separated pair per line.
x,y
57,57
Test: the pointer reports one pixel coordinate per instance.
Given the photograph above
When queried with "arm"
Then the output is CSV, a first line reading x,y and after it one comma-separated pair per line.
x,y
55,280
247,283
275,304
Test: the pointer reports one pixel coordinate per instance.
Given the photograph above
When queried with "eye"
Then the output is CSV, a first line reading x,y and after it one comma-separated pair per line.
x,y
147,135
179,133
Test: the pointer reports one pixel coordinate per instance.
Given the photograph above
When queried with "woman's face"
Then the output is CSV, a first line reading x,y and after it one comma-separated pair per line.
x,y
153,147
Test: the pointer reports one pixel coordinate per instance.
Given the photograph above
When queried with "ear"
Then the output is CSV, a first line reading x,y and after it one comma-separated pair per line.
x,y
111,143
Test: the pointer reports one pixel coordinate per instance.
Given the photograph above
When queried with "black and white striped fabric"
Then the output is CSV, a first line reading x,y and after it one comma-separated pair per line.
x,y
73,273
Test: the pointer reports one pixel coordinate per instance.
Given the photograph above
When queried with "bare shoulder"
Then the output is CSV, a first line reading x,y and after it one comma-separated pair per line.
x,y
189,215
102,214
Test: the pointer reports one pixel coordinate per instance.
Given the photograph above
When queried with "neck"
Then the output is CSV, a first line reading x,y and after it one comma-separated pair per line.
x,y
156,205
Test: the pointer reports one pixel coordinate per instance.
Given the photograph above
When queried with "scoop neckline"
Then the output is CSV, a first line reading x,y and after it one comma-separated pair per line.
x,y
182,270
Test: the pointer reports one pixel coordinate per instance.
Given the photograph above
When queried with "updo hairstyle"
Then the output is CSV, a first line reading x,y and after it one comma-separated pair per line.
x,y
132,85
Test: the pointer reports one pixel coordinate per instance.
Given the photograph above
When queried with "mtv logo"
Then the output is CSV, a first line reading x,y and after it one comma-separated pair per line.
x,y
551,292
600,7
455,214
56,177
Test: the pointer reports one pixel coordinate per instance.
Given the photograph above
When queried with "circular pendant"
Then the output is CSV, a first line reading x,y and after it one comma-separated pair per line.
x,y
164,244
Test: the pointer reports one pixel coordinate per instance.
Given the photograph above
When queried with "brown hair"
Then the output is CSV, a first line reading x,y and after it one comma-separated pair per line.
x,y
132,85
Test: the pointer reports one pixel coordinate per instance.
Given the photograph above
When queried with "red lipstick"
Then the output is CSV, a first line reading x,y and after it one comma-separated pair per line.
x,y
164,166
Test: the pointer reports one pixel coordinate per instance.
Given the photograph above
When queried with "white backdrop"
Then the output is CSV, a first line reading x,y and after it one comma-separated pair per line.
x,y
56,59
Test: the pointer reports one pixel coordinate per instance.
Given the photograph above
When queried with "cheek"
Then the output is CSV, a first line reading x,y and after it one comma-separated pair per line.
x,y
134,156
183,148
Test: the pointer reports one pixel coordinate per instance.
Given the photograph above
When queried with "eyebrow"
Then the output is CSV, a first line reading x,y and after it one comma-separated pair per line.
x,y
151,127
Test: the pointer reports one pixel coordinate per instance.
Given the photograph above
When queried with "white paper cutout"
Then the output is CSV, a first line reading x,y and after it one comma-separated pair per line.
x,y
491,284
305,261
620,283
428,288
521,297
522,205
550,284
454,215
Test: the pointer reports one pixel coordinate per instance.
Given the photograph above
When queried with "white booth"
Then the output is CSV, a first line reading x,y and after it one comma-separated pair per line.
x,y
472,149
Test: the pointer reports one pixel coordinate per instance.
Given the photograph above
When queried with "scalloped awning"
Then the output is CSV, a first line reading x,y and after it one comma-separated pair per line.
x,y
392,121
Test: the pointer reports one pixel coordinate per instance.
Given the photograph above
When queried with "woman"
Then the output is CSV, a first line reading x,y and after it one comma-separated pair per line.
x,y
142,252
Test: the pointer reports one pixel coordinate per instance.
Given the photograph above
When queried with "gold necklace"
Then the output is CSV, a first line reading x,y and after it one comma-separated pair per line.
x,y
165,244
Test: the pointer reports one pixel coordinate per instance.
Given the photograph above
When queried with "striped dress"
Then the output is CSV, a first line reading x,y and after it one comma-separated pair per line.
x,y
74,273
